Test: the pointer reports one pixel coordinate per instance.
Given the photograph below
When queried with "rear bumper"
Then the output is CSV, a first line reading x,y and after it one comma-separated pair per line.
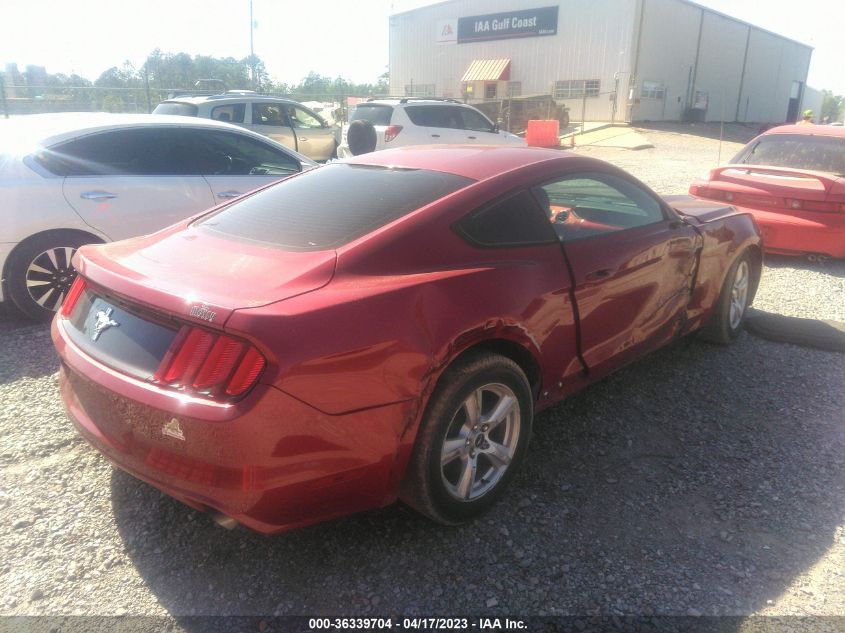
x,y
270,461
799,234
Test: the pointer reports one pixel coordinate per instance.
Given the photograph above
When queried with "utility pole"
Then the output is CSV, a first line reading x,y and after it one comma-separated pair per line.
x,y
251,46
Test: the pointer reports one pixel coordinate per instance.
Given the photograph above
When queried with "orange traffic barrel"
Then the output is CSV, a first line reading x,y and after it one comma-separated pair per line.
x,y
543,133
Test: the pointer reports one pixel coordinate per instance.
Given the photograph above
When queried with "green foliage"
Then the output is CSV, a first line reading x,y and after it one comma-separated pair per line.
x,y
832,106
162,75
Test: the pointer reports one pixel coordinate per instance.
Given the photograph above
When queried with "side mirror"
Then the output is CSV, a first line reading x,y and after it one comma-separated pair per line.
x,y
495,127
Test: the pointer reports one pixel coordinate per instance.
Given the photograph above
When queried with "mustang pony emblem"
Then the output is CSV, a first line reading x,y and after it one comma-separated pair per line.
x,y
103,322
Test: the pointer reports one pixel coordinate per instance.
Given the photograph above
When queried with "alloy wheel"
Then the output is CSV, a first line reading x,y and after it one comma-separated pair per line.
x,y
480,442
49,276
739,294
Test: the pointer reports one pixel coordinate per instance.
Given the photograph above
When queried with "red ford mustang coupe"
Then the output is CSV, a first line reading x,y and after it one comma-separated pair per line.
x,y
384,327
792,179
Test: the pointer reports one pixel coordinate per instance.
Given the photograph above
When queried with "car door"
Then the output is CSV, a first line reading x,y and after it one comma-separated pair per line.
x,y
234,164
273,120
632,262
130,182
315,139
441,123
477,128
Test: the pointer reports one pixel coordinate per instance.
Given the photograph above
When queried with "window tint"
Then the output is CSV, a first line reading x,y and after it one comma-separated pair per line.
x,y
270,114
475,121
819,153
330,206
516,220
375,114
232,113
216,153
584,205
142,152
174,107
435,116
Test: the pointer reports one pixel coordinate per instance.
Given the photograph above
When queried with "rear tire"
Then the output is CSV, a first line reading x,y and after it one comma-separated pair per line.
x,y
361,137
40,272
732,307
472,439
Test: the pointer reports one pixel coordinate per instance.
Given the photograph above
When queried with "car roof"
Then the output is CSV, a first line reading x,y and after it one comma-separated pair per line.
x,y
807,130
49,129
229,96
412,101
477,162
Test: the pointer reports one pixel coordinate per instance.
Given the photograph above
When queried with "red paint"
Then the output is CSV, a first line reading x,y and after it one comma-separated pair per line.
x,y
799,211
356,339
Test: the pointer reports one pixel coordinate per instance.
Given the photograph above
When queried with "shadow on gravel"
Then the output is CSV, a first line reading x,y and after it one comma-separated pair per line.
x,y
26,349
702,480
824,335
732,132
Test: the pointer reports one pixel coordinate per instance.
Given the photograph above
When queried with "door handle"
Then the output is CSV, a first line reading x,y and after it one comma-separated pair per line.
x,y
472,137
435,136
303,138
97,195
228,194
604,273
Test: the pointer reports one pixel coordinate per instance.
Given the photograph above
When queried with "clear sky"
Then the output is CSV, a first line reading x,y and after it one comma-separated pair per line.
x,y
332,37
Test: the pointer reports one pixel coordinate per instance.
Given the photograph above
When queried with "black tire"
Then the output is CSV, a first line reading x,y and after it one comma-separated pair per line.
x,y
28,286
361,137
433,483
724,327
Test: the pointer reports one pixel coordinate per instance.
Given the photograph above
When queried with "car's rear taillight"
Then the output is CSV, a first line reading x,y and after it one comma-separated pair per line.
x,y
391,132
812,205
207,363
76,290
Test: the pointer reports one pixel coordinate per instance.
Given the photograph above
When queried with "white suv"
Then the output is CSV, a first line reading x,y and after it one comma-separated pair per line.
x,y
384,123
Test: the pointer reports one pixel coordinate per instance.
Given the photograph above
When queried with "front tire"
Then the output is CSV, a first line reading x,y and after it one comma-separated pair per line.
x,y
471,441
732,307
40,273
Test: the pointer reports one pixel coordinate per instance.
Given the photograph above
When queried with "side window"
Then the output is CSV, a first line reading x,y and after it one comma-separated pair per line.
x,y
269,114
232,113
515,221
585,205
231,154
303,120
145,152
435,116
475,121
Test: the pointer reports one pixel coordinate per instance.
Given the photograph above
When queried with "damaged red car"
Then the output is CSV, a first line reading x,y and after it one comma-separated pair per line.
x,y
792,179
385,327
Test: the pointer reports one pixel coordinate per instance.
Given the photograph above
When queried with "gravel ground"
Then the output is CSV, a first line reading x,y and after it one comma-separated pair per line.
x,y
701,480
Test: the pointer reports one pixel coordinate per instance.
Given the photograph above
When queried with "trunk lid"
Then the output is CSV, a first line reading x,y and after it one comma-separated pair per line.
x,y
699,211
202,277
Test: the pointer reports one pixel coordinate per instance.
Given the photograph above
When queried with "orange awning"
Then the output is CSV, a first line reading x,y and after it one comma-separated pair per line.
x,y
488,70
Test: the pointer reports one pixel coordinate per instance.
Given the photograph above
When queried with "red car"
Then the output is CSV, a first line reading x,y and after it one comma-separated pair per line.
x,y
792,179
384,327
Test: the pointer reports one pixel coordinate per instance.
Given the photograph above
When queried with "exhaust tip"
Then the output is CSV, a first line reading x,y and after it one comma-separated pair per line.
x,y
226,522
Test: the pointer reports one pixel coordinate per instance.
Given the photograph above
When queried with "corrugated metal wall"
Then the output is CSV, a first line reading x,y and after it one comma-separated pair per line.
x,y
685,51
593,41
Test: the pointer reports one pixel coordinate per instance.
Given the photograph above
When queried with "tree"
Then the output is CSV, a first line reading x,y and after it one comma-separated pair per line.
x,y
832,106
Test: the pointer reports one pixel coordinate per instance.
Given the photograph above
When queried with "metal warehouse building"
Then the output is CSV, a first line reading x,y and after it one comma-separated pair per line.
x,y
640,60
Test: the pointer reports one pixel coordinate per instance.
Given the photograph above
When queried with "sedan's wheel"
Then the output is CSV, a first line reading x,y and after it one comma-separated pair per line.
x,y
739,294
40,274
472,439
734,299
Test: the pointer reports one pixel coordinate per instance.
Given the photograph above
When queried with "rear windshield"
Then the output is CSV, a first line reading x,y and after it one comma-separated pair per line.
x,y
800,151
330,206
375,114
173,107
